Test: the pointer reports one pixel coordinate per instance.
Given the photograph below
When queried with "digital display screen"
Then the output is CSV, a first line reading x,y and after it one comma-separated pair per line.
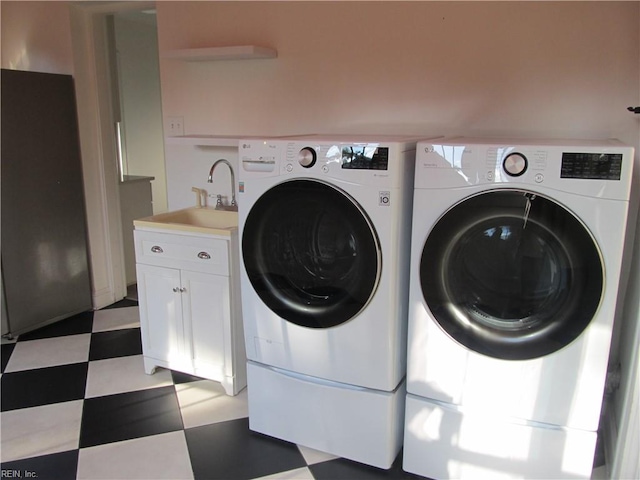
x,y
365,157
592,166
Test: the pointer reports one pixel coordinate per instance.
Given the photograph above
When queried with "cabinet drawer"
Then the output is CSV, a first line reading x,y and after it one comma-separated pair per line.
x,y
198,254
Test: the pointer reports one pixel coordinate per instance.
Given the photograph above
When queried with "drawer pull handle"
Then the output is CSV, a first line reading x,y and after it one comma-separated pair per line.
x,y
156,249
176,289
204,256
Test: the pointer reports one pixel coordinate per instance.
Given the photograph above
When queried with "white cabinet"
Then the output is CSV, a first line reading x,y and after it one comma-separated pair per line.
x,y
189,303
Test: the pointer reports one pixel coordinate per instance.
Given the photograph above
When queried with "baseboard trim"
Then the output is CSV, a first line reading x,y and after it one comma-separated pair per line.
x,y
102,298
610,438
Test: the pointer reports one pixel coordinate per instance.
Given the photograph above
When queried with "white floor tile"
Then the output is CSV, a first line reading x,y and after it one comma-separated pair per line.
x,y
312,456
116,319
49,352
298,474
599,473
122,374
155,457
205,402
31,432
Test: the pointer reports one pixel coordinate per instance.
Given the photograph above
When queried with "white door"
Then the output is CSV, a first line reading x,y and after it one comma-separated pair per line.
x,y
160,303
207,316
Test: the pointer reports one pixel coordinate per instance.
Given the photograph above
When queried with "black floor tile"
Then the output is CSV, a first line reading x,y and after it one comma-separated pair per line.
x,y
7,350
123,303
31,388
57,466
80,323
179,377
115,343
230,450
342,469
129,415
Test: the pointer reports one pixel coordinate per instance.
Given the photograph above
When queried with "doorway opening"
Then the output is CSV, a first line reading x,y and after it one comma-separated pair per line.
x,y
135,86
119,106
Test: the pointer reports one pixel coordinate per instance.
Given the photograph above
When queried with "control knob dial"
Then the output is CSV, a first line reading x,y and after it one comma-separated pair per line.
x,y
515,164
307,157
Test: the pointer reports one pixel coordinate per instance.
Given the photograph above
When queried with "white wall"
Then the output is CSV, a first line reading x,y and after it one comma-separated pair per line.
x,y
625,405
626,401
190,167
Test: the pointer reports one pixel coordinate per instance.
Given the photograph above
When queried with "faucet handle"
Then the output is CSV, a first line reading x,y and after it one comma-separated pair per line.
x,y
198,193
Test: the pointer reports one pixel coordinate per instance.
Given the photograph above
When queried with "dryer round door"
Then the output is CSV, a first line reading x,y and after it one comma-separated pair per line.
x,y
511,274
311,253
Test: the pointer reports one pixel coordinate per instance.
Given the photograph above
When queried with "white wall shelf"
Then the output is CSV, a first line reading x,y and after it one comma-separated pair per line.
x,y
204,141
241,52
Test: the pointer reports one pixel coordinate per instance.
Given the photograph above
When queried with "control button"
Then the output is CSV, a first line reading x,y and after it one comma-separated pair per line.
x,y
490,176
325,168
307,157
289,168
539,178
515,164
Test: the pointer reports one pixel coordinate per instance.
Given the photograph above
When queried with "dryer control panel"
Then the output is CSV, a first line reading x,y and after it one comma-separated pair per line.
x,y
386,162
591,168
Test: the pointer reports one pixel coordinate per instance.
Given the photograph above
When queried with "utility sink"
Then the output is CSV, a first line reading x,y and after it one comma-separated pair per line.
x,y
193,219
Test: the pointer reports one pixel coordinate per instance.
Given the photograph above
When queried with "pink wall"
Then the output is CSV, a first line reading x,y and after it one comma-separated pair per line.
x,y
558,69
36,36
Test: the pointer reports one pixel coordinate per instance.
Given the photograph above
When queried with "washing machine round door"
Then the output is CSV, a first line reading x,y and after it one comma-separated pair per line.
x,y
311,253
511,274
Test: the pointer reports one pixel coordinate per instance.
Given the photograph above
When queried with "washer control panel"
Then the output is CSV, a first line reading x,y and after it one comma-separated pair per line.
x,y
330,158
515,164
365,157
350,157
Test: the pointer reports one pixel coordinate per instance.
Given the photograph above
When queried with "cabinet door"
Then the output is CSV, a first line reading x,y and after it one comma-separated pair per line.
x,y
207,314
160,307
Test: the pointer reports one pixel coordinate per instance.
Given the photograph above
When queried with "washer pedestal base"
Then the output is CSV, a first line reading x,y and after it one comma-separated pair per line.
x,y
442,442
352,422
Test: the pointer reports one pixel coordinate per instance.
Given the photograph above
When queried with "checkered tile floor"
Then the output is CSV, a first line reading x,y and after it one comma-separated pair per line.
x,y
76,403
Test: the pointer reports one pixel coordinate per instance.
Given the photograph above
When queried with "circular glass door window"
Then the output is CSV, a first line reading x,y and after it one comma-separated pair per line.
x,y
311,253
511,274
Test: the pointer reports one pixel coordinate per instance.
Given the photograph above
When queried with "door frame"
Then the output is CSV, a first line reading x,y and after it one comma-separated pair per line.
x,y
93,83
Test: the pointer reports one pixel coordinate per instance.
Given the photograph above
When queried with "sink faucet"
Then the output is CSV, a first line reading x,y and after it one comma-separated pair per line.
x,y
219,205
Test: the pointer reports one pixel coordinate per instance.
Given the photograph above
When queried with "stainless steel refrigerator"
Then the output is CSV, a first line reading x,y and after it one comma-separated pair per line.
x,y
45,275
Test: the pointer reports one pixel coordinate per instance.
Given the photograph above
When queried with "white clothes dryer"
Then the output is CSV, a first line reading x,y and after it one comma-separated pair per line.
x,y
515,264
325,231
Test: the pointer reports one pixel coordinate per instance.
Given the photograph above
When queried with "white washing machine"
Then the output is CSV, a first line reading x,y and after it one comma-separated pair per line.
x,y
325,231
515,264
